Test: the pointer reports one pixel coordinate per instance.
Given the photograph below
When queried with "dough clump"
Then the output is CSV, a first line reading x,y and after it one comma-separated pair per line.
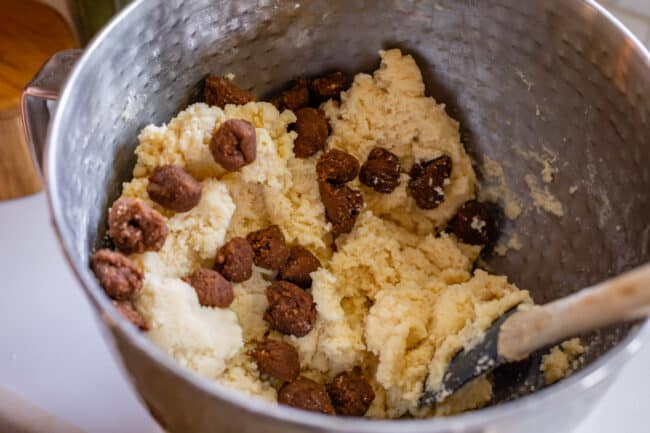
x,y
396,299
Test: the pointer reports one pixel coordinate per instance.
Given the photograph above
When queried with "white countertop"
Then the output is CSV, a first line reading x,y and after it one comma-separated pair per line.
x,y
53,355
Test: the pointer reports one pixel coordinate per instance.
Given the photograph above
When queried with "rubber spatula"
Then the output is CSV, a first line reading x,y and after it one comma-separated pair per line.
x,y
521,331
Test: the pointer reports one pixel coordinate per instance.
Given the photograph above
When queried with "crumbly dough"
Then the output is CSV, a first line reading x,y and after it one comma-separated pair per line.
x,y
562,360
497,190
194,236
390,109
512,244
198,337
539,198
398,298
543,199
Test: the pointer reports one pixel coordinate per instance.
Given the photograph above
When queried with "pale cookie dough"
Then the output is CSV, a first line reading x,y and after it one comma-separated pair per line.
x,y
389,109
200,338
562,360
193,236
397,299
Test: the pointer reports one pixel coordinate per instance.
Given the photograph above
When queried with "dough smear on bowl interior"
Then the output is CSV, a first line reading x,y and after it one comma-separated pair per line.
x,y
320,245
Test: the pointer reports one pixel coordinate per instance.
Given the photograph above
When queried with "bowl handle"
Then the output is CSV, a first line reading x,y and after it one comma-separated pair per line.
x,y
38,100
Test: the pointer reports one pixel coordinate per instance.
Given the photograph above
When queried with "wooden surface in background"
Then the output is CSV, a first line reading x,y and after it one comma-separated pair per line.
x,y
29,34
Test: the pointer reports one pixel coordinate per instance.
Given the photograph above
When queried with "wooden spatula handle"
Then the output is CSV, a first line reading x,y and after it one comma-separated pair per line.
x,y
623,298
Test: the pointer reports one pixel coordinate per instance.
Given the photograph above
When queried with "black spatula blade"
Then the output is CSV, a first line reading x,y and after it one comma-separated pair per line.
x,y
467,365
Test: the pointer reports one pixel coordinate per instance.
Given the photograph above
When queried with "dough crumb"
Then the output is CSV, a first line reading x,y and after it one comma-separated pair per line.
x,y
562,360
546,158
497,189
543,199
529,84
548,171
514,243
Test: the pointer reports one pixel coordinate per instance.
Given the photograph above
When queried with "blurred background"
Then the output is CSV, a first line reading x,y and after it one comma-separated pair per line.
x,y
635,14
56,371
89,15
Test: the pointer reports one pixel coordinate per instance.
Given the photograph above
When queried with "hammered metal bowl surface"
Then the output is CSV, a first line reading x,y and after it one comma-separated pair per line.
x,y
555,78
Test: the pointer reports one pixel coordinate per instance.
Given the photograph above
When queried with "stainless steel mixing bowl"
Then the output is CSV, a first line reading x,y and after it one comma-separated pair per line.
x,y
555,76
